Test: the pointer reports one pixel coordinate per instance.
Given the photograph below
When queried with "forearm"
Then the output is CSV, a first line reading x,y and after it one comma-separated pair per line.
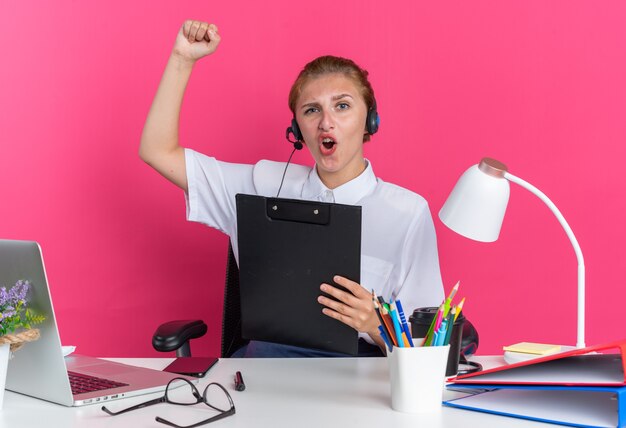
x,y
160,133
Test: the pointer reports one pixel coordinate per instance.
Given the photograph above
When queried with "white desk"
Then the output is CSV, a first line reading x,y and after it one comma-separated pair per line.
x,y
316,393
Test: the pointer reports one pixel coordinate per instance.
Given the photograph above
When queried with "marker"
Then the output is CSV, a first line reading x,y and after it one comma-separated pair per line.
x,y
239,385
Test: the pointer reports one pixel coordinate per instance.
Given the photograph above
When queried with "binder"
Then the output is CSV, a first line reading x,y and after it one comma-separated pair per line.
x,y
581,367
287,249
580,406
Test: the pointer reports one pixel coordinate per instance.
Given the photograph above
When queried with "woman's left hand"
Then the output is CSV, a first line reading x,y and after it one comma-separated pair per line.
x,y
353,308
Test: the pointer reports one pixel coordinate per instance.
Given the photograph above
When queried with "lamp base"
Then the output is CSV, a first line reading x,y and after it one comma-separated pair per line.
x,y
517,357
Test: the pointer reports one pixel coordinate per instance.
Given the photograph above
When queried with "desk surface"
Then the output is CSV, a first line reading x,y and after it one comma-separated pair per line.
x,y
333,392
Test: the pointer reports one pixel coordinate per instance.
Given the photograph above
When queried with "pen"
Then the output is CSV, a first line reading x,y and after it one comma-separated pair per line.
x,y
239,385
384,336
403,323
441,334
396,324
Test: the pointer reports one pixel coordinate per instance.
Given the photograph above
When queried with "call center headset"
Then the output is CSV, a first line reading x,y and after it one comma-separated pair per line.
x,y
372,123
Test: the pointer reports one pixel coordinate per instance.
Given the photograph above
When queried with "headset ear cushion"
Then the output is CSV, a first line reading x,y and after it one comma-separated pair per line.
x,y
295,130
373,120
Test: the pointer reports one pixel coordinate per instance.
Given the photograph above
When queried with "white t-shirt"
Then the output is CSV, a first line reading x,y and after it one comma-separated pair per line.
x,y
399,257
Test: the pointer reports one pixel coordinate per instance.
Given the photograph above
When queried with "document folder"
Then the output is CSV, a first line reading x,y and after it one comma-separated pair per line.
x,y
582,387
584,366
581,406
287,249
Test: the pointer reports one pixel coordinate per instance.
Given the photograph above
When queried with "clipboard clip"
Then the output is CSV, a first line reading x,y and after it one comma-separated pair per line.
x,y
298,211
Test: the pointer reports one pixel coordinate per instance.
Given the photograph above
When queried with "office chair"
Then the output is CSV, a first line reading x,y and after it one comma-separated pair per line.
x,y
175,335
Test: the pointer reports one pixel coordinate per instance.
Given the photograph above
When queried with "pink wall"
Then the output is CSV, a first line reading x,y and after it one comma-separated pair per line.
x,y
536,84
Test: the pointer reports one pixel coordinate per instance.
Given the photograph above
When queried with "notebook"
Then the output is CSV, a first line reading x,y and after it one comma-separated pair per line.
x,y
287,249
39,369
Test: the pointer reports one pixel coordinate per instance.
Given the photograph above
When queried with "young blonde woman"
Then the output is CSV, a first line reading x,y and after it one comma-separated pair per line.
x,y
334,113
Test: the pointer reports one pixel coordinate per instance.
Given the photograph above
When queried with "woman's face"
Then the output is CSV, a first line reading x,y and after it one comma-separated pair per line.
x,y
331,114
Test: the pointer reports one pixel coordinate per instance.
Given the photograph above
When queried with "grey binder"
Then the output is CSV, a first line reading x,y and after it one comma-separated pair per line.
x,y
287,249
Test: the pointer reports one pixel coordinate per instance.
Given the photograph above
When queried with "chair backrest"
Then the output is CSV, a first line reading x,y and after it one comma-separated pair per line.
x,y
231,315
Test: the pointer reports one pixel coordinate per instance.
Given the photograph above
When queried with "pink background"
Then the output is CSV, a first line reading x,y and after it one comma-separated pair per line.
x,y
538,85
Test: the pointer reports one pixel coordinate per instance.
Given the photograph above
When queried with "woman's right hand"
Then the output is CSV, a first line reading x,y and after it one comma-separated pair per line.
x,y
196,39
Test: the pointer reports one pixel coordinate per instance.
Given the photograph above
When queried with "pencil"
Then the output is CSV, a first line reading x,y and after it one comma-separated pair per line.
x,y
459,308
448,301
381,319
376,308
389,326
431,329
439,317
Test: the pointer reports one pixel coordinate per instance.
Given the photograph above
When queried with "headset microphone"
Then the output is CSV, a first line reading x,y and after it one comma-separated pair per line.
x,y
295,131
297,145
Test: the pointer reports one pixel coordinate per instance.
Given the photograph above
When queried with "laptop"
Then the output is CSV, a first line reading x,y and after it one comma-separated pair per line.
x,y
39,369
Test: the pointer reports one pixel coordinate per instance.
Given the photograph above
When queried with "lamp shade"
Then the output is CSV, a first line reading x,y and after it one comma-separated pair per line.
x,y
476,205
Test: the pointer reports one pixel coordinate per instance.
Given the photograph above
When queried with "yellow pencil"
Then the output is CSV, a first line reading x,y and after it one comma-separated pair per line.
x,y
459,308
405,340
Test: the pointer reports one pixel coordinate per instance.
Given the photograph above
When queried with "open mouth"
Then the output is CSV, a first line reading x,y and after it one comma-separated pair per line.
x,y
328,145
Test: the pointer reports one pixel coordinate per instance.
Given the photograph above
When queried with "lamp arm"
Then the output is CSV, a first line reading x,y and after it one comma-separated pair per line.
x,y
580,331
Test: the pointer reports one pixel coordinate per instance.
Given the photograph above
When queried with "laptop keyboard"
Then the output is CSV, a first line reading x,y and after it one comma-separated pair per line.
x,y
82,383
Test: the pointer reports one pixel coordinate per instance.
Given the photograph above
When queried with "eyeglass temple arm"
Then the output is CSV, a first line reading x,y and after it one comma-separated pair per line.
x,y
138,406
206,421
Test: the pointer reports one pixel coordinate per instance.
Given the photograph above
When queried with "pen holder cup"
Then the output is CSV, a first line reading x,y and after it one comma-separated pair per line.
x,y
420,322
417,378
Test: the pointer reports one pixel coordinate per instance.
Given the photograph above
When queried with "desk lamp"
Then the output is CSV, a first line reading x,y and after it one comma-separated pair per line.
x,y
476,206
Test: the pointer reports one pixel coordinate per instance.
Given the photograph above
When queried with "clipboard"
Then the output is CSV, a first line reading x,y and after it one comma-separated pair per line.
x,y
287,249
581,406
581,367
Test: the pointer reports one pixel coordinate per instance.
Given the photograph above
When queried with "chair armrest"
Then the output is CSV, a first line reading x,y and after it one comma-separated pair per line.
x,y
174,334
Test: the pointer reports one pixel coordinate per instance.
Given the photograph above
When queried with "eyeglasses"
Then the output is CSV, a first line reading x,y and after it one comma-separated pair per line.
x,y
182,392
